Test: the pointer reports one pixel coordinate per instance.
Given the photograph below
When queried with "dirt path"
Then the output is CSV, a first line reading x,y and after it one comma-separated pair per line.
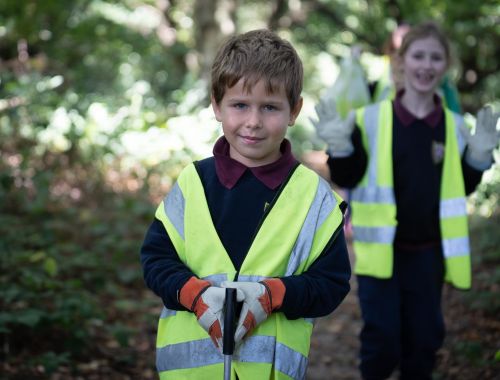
x,y
472,340
335,344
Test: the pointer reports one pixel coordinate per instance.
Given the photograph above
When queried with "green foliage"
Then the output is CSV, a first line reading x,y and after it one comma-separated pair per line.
x,y
485,200
50,361
55,271
41,297
486,300
122,334
470,351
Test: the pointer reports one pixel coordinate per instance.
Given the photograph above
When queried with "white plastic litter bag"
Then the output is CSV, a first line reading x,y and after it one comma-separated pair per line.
x,y
350,90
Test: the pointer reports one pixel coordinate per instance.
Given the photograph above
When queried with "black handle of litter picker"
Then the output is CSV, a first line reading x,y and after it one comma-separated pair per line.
x,y
229,322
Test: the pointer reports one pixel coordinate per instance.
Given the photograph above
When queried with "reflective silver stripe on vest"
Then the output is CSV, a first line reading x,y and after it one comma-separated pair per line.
x,y
191,354
265,349
456,247
373,194
290,362
371,117
174,208
256,349
165,313
382,235
216,279
322,206
450,208
459,120
251,278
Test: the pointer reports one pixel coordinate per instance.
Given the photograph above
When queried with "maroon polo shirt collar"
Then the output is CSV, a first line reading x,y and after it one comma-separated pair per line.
x,y
229,171
407,118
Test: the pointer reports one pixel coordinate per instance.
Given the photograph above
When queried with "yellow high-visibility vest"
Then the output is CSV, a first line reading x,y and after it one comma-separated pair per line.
x,y
384,87
374,207
296,229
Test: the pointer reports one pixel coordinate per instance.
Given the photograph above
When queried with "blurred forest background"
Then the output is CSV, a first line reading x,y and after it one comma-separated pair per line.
x,y
102,102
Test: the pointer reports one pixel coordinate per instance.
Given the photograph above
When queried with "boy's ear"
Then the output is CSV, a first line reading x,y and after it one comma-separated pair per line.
x,y
295,112
216,108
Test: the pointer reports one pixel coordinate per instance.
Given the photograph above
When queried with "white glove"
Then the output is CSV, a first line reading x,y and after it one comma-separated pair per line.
x,y
481,144
333,130
260,299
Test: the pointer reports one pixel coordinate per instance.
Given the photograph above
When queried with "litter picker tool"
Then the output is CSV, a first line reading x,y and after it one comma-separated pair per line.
x,y
229,327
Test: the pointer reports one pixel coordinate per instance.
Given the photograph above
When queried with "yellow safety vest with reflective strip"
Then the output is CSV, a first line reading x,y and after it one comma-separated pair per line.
x,y
374,207
384,88
296,229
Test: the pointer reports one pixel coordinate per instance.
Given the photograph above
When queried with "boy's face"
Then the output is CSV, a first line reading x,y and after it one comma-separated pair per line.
x,y
255,122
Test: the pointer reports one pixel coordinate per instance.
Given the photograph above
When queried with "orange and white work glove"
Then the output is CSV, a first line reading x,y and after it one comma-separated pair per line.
x,y
260,299
206,302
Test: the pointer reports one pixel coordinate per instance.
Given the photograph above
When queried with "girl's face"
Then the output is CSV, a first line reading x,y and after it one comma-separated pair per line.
x,y
424,64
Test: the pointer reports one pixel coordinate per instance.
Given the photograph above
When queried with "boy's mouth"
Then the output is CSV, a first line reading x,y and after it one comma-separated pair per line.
x,y
251,139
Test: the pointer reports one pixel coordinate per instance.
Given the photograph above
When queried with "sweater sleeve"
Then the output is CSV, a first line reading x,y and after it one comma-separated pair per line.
x,y
472,176
320,289
164,273
346,172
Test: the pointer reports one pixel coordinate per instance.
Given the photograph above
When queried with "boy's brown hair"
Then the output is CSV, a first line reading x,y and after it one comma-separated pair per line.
x,y
259,54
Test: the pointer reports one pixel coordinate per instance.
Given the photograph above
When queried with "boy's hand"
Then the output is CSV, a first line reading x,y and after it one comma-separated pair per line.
x,y
333,130
207,302
260,299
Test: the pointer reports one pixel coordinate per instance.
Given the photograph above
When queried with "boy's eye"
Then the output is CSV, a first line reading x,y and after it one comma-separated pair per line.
x,y
239,105
269,107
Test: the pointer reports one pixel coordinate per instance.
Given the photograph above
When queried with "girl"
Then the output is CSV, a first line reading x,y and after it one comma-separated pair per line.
x,y
411,162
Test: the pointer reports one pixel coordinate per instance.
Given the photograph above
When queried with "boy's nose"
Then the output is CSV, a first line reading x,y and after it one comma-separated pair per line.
x,y
254,119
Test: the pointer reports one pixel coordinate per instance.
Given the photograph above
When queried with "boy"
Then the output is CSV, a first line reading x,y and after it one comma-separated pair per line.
x,y
253,215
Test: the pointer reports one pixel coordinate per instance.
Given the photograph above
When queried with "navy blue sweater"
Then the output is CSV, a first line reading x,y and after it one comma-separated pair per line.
x,y
237,214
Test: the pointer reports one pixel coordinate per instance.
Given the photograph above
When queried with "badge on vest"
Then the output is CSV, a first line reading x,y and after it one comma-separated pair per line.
x,y
437,152
266,205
